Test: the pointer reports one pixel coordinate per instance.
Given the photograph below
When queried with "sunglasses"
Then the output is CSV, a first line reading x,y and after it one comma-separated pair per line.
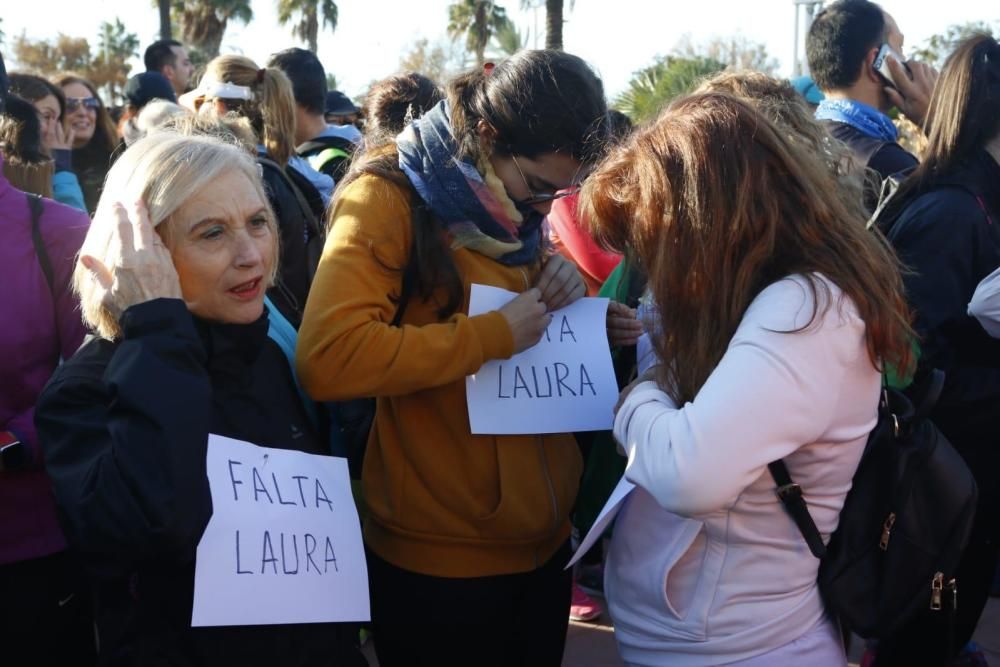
x,y
74,103
534,198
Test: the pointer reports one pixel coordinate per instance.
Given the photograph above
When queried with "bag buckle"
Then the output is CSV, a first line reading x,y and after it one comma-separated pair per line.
x,y
792,490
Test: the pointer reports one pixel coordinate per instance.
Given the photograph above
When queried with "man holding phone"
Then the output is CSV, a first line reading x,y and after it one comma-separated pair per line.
x,y
854,50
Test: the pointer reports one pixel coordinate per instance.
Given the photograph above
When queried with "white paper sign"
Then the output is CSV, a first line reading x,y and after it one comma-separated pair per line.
x,y
284,541
604,519
564,383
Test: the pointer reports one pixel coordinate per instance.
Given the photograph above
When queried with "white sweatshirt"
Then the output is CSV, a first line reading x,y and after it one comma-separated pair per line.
x,y
985,304
705,566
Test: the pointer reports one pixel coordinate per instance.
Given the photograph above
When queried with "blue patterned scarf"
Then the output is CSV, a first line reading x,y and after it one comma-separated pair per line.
x,y
459,197
863,118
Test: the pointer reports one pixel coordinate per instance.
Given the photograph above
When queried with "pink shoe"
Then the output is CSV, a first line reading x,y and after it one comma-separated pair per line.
x,y
582,607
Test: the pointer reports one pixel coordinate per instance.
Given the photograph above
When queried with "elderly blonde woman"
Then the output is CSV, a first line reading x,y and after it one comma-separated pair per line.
x,y
172,276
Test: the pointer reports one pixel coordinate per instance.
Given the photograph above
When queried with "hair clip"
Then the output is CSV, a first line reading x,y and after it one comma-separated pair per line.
x,y
488,68
260,75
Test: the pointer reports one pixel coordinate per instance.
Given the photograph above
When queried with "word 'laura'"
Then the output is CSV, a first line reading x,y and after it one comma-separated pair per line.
x,y
307,490
316,555
535,382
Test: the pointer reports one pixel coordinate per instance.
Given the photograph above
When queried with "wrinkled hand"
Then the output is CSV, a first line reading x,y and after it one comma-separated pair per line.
x,y
527,318
560,283
913,96
58,137
142,269
624,328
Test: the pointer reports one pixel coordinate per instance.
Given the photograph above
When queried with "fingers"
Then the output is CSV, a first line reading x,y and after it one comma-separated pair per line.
x,y
145,237
547,280
99,271
560,283
894,97
126,237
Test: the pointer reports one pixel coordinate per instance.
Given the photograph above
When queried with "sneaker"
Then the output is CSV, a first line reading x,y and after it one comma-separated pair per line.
x,y
582,607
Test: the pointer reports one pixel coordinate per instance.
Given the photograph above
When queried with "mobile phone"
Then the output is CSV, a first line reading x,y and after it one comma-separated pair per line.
x,y
881,63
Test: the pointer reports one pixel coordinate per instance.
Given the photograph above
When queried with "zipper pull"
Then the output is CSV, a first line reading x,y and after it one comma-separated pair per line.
x,y
937,585
953,587
883,543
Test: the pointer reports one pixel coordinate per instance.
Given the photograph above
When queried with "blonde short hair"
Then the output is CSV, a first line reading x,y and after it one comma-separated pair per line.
x,y
163,169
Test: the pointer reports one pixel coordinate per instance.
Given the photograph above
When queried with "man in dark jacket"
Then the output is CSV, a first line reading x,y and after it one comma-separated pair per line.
x,y
322,147
841,47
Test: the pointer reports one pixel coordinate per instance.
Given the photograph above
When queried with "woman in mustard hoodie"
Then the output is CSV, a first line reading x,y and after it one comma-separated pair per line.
x,y
467,534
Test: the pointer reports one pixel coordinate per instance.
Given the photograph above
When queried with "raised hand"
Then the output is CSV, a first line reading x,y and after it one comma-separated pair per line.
x,y
141,270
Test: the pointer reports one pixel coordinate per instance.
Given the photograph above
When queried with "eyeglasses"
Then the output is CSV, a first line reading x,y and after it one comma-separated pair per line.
x,y
74,103
533,198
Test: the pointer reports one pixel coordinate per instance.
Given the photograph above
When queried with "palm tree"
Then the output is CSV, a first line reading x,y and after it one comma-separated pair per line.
x,y
308,11
509,40
478,20
164,7
553,24
203,22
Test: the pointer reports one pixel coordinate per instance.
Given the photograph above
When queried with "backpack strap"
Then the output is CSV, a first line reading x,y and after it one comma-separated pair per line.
x,y
790,495
327,155
37,207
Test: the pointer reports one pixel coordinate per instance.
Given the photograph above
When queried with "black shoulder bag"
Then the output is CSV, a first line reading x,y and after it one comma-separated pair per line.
x,y
904,524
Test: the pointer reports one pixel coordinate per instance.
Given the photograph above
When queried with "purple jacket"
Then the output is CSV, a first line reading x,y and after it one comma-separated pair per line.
x,y
36,332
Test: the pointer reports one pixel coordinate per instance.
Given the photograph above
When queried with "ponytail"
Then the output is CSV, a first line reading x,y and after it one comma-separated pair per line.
x,y
277,110
271,111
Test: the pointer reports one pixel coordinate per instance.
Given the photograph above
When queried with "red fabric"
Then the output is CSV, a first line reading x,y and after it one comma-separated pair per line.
x,y
574,243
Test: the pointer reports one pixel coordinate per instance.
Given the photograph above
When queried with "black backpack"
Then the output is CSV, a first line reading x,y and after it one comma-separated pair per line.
x,y
904,524
328,155
311,207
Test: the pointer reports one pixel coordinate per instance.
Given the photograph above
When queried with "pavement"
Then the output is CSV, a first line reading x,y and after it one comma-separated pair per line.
x,y
593,644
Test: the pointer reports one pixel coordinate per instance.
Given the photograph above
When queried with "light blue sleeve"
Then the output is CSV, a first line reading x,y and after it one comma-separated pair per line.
x,y
66,190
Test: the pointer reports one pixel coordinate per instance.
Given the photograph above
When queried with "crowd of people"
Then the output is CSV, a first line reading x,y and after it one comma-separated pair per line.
x,y
240,251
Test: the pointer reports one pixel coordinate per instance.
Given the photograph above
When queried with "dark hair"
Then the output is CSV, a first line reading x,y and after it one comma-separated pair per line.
x,y
26,165
159,54
620,126
839,41
307,75
537,101
963,115
395,101
34,88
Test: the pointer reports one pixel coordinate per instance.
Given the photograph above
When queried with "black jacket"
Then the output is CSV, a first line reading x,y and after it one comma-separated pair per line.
x,y
949,236
885,158
297,217
124,426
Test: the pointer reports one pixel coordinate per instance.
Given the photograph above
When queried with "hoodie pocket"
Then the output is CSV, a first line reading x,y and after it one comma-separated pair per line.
x,y
682,573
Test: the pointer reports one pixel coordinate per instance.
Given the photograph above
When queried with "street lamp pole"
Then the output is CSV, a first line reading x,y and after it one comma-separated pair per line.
x,y
808,8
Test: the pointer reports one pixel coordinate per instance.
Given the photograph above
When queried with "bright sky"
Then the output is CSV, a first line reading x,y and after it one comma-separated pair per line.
x,y
617,37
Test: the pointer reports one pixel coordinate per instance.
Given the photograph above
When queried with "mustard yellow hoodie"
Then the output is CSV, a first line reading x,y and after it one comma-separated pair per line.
x,y
441,501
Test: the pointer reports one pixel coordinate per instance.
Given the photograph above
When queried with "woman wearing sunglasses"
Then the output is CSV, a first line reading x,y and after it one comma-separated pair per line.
x,y
474,529
94,135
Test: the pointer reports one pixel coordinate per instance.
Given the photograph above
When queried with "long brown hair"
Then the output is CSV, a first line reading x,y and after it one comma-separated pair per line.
x,y
787,109
716,204
964,111
271,112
